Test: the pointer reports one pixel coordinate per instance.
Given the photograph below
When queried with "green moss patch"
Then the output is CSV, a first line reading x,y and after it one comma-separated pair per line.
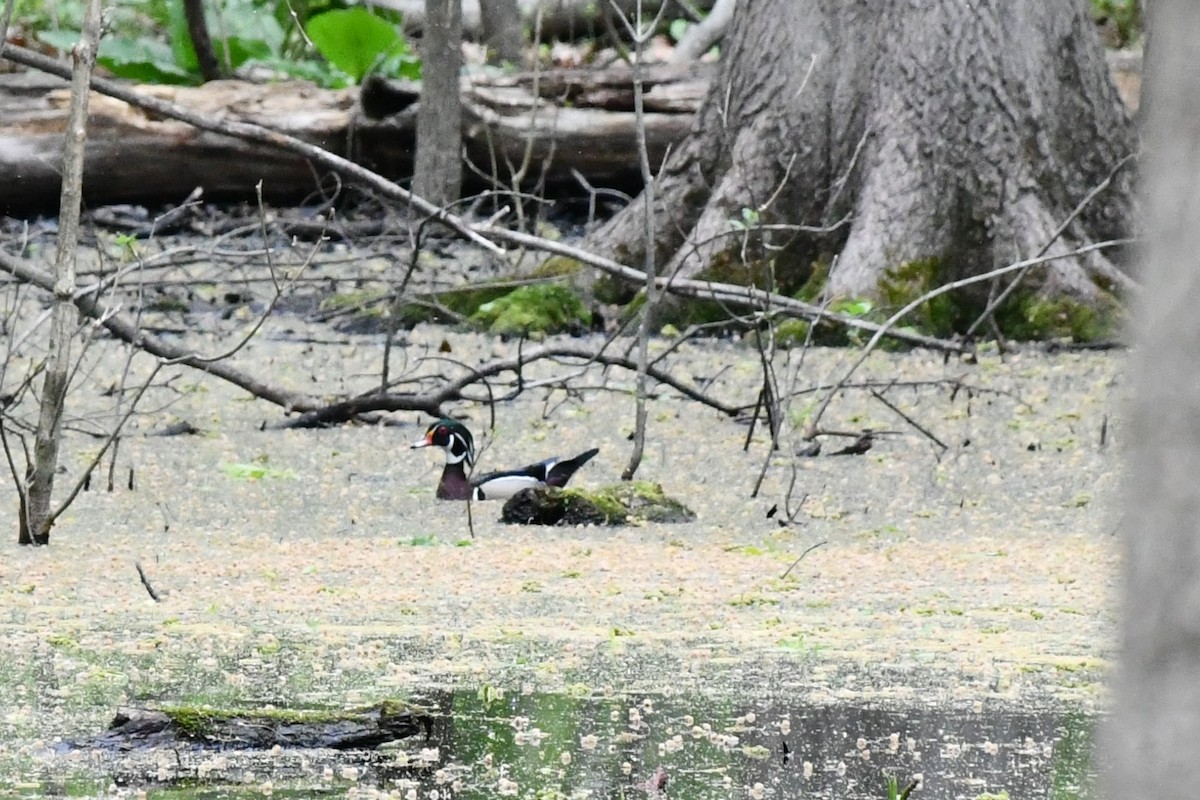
x,y
1031,317
539,307
618,504
940,316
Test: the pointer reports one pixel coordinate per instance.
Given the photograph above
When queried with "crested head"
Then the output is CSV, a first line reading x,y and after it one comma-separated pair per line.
x,y
453,437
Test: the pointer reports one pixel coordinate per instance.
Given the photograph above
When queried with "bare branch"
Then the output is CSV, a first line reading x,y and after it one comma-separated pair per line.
x,y
259,134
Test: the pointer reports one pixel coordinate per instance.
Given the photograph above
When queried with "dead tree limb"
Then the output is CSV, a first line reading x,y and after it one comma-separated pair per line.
x,y
317,411
259,134
38,489
124,329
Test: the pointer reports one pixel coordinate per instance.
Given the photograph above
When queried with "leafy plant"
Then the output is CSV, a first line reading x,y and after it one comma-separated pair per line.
x,y
1124,15
357,42
148,40
678,28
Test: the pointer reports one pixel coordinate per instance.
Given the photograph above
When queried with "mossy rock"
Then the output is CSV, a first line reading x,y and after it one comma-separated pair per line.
x,y
538,307
366,308
618,504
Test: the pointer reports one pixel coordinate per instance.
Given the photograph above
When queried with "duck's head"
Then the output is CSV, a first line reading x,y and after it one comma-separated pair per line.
x,y
453,437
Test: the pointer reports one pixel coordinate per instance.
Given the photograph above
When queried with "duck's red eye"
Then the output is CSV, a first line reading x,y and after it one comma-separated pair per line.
x,y
442,429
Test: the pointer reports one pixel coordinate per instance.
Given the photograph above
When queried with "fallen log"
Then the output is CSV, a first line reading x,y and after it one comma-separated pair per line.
x,y
248,729
579,121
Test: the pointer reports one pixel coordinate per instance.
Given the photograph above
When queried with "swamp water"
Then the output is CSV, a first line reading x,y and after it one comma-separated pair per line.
x,y
969,594
491,744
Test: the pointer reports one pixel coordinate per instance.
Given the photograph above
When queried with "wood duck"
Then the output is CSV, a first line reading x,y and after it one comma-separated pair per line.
x,y
453,437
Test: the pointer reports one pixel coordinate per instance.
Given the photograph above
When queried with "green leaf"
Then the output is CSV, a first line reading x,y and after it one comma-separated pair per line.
x,y
254,472
354,40
181,40
319,72
249,34
678,28
142,59
854,308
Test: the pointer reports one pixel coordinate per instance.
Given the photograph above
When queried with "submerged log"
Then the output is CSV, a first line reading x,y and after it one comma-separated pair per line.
x,y
619,504
250,729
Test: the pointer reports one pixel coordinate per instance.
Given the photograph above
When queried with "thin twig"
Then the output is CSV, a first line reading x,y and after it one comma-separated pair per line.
x,y
146,582
909,420
802,555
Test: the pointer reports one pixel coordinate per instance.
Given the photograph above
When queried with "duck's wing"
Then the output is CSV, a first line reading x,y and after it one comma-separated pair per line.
x,y
502,485
559,472
551,472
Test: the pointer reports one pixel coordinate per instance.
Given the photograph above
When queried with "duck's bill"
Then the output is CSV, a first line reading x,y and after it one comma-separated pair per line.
x,y
420,443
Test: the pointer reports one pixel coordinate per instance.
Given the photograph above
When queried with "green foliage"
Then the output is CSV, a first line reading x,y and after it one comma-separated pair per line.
x,y
256,471
241,30
815,282
750,218
140,59
678,28
1124,16
894,791
540,307
356,42
1032,317
940,316
148,40
791,332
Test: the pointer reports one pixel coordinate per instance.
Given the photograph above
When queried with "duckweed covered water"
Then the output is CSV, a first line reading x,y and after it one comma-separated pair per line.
x,y
962,601
489,743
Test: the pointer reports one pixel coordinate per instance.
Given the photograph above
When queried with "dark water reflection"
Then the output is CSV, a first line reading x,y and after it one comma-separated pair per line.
x,y
488,744
728,749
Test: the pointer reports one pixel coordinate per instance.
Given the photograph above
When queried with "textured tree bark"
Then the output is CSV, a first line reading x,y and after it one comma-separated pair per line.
x,y
502,31
1157,717
703,35
961,133
437,171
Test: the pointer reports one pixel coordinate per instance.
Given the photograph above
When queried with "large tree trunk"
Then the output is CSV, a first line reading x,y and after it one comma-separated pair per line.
x,y
1157,721
957,134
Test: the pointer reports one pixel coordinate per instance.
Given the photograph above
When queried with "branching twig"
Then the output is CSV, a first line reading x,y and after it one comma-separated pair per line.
x,y
641,35
878,396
